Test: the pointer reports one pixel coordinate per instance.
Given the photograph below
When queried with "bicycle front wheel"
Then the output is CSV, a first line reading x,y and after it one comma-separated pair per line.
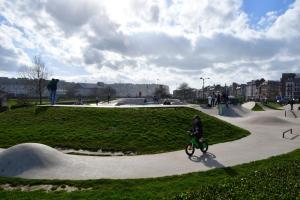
x,y
189,149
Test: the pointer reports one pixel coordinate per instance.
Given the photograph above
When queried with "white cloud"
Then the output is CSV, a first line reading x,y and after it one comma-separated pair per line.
x,y
142,40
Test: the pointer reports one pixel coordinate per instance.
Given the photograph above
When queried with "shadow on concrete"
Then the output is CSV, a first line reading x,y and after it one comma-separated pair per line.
x,y
209,160
294,137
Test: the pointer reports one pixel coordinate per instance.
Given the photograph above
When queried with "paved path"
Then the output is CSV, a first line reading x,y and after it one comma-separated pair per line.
x,y
265,141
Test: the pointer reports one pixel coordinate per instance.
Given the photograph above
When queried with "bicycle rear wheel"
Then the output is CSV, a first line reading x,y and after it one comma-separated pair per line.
x,y
204,147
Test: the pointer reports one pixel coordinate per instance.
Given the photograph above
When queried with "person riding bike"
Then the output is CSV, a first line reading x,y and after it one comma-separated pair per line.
x,y
197,129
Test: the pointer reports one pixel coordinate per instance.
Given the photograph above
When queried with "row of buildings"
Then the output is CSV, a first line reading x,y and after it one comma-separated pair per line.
x,y
288,87
15,87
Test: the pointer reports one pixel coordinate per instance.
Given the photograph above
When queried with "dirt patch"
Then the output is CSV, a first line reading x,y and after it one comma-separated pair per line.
x,y
94,153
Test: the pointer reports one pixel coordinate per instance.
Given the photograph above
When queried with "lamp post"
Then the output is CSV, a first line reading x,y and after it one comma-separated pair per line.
x,y
203,80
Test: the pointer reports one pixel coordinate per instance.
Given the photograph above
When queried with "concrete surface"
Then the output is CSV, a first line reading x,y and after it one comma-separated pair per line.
x,y
37,161
249,105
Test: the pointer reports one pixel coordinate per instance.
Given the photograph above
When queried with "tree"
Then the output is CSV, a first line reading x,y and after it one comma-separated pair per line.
x,y
183,91
37,74
183,86
161,92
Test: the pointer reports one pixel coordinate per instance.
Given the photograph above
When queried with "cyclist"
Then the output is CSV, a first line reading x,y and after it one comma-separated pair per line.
x,y
197,129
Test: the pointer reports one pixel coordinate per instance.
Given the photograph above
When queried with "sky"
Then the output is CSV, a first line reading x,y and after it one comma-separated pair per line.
x,y
152,41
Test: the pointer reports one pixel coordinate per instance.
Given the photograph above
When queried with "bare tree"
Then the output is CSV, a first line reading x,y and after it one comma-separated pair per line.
x,y
183,86
184,91
161,92
37,73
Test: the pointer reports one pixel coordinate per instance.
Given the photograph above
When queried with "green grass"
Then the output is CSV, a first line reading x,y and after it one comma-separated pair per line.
x,y
142,130
257,107
273,105
273,178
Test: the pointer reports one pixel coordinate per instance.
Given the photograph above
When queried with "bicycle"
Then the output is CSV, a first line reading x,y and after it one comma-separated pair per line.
x,y
196,144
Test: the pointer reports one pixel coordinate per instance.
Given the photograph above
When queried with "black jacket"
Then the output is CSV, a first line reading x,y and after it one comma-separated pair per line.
x,y
197,128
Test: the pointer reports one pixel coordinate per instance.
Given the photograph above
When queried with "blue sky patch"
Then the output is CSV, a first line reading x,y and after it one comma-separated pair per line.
x,y
256,9
2,19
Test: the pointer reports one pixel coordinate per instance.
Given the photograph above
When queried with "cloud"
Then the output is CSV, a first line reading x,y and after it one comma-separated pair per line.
x,y
287,25
142,40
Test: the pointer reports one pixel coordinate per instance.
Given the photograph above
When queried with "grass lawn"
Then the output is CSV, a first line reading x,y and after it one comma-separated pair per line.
x,y
273,105
274,178
257,107
142,130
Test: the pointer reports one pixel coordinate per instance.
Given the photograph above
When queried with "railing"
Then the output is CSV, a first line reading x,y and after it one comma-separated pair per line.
x,y
284,132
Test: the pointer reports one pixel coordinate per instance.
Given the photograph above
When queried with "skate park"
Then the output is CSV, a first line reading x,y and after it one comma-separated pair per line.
x,y
38,161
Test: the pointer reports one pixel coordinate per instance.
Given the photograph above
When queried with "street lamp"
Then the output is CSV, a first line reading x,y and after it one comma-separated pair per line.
x,y
203,80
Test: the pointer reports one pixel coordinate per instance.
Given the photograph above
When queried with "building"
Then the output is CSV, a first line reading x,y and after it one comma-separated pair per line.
x,y
232,89
87,90
251,90
241,91
136,90
270,90
16,87
290,85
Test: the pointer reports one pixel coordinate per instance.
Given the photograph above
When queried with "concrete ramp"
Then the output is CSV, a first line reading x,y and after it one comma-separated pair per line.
x,y
249,105
233,111
266,120
130,101
22,158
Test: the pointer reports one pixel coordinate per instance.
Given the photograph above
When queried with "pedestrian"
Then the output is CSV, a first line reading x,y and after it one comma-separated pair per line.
x,y
213,97
218,98
52,87
226,100
97,101
209,100
292,104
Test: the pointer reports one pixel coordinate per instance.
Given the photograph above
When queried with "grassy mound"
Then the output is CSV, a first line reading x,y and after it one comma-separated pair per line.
x,y
257,107
274,178
142,130
273,105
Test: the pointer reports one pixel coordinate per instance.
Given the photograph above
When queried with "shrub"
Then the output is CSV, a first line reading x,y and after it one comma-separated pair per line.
x,y
281,181
21,103
20,106
3,109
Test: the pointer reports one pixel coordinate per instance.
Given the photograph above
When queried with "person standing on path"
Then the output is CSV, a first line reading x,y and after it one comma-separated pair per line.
x,y
97,101
52,87
213,100
292,104
218,98
209,100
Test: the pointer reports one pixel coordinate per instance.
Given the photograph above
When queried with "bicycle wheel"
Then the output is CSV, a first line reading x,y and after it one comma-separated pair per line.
x,y
204,147
189,149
